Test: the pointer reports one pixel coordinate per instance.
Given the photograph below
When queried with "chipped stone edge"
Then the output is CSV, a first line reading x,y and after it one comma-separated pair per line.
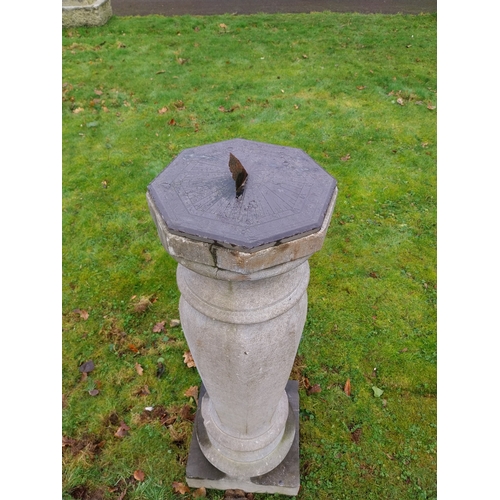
x,y
215,261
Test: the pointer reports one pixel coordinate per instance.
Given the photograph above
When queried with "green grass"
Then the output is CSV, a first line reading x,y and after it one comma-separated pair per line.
x,y
329,84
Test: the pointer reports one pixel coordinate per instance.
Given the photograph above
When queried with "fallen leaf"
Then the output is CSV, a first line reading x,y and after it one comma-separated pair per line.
x,y
400,101
314,389
377,392
159,327
180,60
104,184
356,435
425,144
82,312
186,413
223,26
143,391
192,392
120,45
346,157
122,431
97,92
361,87
430,106
139,475
174,323
200,493
94,392
304,56
180,488
78,110
139,369
163,110
133,348
160,72
188,359
171,122
87,367
347,387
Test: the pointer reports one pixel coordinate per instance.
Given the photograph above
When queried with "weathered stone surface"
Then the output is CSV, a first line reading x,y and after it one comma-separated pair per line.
x,y
243,336
286,194
85,12
283,479
243,274
213,260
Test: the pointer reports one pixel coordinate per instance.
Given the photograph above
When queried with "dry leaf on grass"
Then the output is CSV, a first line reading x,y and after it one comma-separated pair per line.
x,y
188,359
159,327
180,488
400,101
346,157
122,431
174,323
347,387
314,389
82,312
139,369
78,110
163,110
200,493
139,475
192,392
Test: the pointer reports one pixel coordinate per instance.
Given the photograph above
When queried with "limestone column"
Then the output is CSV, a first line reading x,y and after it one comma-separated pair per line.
x,y
243,273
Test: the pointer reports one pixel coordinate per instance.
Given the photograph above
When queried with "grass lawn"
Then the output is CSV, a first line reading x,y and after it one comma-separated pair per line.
x,y
358,94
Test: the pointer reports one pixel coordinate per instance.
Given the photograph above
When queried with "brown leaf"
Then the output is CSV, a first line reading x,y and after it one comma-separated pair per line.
x,y
171,122
160,72
82,312
180,488
400,101
304,56
188,359
163,110
94,392
200,493
78,110
139,369
97,92
174,323
361,87
143,391
356,435
133,348
159,327
192,392
122,431
87,367
186,413
139,475
430,106
314,389
223,26
180,60
307,384
347,387
346,157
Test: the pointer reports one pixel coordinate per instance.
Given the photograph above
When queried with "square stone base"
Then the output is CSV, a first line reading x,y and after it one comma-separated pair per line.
x,y
284,479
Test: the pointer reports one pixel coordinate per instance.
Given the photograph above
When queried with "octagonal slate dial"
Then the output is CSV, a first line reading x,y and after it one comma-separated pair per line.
x,y
286,194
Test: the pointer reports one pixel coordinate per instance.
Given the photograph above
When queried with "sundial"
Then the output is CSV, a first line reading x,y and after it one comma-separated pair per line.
x,y
285,195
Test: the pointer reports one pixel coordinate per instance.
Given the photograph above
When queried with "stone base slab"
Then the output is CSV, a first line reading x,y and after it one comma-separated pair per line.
x,y
85,12
284,479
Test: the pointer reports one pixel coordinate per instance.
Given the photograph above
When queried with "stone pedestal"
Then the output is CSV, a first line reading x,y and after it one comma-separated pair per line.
x,y
85,12
243,274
